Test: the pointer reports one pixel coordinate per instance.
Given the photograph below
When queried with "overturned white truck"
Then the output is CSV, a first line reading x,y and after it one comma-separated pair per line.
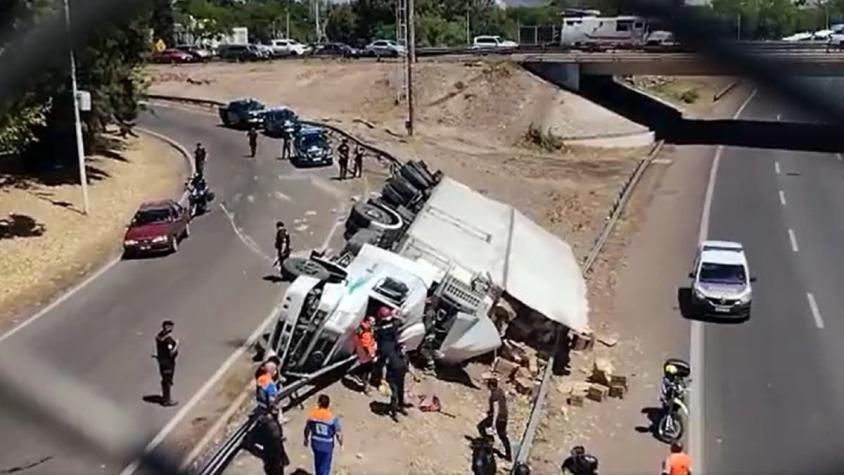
x,y
443,256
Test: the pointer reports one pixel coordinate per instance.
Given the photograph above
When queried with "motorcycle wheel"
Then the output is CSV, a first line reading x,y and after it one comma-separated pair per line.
x,y
670,428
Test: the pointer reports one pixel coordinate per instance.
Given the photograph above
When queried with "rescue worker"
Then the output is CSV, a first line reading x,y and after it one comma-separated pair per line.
x,y
343,160
252,134
357,165
266,389
365,348
282,243
483,456
268,433
199,158
579,463
321,430
166,351
386,341
499,418
677,462
397,367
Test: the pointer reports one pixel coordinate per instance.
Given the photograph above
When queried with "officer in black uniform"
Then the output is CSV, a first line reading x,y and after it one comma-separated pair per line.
x,y
199,158
282,243
343,160
253,140
386,340
166,351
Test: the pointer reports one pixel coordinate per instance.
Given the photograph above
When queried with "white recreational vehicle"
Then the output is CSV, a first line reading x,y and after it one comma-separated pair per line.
x,y
603,32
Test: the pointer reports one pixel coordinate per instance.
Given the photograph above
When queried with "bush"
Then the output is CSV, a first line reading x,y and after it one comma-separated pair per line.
x,y
544,140
690,96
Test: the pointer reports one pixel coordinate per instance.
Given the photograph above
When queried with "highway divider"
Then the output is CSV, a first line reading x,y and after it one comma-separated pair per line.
x,y
617,208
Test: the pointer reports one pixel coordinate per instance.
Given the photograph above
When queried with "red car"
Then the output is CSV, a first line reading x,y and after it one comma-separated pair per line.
x,y
157,226
172,55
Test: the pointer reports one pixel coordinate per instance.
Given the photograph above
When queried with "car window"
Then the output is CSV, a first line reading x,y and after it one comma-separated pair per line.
x,y
713,273
150,216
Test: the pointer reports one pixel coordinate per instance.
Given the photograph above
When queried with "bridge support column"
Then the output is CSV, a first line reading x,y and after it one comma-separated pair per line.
x,y
565,75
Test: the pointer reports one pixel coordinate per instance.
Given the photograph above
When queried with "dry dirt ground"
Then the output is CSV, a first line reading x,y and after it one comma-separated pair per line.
x,y
694,94
473,124
47,243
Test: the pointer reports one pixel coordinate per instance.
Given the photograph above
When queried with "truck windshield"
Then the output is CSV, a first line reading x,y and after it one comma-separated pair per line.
x,y
722,273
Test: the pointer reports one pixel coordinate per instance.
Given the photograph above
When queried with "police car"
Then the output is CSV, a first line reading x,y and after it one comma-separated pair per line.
x,y
721,281
311,148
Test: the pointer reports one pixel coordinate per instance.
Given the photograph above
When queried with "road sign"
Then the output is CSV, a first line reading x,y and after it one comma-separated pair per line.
x,y
160,45
83,100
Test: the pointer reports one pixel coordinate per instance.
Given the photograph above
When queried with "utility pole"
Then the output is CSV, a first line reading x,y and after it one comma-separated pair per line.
x,y
410,58
468,35
316,19
80,147
287,21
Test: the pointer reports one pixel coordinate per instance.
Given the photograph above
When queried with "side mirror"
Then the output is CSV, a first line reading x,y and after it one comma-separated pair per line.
x,y
753,278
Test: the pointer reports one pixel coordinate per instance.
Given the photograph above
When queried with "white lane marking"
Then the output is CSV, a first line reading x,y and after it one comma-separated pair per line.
x,y
782,198
243,237
217,427
777,168
793,239
55,303
696,339
838,155
210,383
779,116
813,306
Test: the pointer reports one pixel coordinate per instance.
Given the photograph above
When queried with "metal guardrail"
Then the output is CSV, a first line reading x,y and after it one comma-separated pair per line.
x,y
615,213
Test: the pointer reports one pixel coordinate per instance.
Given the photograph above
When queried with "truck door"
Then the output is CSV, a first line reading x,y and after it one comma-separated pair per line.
x,y
468,337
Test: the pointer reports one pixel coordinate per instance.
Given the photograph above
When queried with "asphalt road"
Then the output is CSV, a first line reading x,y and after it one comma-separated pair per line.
x,y
774,392
213,288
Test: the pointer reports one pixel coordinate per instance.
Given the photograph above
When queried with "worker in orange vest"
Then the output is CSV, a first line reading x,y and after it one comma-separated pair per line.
x,y
365,349
677,462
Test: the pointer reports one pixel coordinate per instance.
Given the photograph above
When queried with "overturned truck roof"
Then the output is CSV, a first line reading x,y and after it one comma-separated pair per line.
x,y
460,230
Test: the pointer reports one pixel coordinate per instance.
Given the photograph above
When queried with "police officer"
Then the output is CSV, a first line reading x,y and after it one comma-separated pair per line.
x,y
386,341
321,430
253,140
199,158
282,243
343,160
397,367
483,457
357,165
579,463
166,350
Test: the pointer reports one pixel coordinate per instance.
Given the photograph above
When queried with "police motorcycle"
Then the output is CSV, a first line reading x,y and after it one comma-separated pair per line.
x,y
199,195
672,397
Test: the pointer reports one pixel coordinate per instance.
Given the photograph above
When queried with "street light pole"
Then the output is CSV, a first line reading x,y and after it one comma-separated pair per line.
x,y
80,147
287,22
410,58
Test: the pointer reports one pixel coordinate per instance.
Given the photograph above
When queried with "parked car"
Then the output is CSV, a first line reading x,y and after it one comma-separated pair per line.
x,y
240,53
660,41
721,280
157,226
336,49
379,48
288,47
311,148
242,113
172,55
265,50
279,119
198,53
492,42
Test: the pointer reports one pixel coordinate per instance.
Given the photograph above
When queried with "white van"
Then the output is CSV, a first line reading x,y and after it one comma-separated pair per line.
x,y
605,32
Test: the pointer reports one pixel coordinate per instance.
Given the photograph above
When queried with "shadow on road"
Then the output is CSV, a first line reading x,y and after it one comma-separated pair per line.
x,y
20,226
652,413
153,399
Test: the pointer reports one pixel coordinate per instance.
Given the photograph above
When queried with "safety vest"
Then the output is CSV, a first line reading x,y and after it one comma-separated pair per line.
x,y
365,345
265,390
678,464
323,427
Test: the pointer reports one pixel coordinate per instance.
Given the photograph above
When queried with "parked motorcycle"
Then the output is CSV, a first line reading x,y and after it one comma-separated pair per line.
x,y
673,390
199,195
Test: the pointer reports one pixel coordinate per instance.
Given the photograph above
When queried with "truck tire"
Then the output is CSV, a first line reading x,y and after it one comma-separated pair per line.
x,y
412,175
293,267
405,188
366,215
390,195
423,170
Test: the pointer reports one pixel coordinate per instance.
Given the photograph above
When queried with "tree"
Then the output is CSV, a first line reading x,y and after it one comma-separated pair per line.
x,y
162,21
341,24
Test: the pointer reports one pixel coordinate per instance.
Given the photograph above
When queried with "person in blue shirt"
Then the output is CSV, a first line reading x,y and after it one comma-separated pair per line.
x,y
321,430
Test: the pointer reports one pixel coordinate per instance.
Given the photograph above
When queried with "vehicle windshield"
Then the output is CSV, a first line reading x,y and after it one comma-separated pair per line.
x,y
712,273
316,140
247,105
151,216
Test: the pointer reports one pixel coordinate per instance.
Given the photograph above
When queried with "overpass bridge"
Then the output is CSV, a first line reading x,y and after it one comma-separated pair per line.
x,y
568,68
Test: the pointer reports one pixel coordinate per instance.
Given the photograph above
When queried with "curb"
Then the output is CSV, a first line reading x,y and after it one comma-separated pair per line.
x,y
183,198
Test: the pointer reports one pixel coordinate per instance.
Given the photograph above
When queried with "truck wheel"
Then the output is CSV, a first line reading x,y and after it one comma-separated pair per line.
x,y
412,175
391,196
366,215
293,267
404,187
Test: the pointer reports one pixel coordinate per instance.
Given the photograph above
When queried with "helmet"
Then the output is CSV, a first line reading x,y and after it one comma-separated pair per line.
x,y
384,312
670,369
